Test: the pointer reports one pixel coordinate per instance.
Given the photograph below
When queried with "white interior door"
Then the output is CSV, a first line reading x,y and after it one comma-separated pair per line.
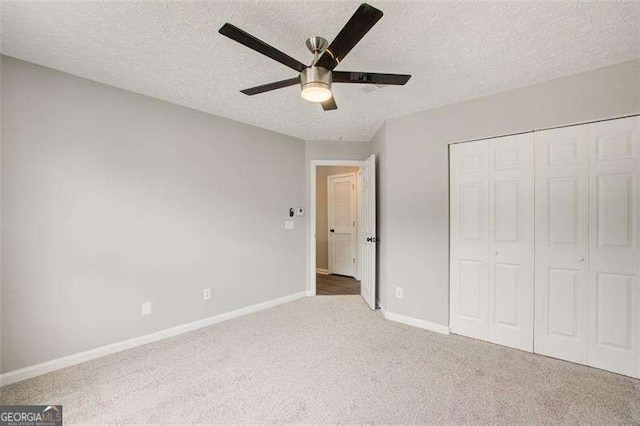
x,y
367,234
342,224
511,241
469,274
614,234
561,244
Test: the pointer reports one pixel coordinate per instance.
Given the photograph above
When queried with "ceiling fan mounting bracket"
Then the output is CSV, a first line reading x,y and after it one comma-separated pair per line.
x,y
317,44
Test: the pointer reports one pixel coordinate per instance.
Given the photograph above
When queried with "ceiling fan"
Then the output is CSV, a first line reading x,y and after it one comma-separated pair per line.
x,y
316,79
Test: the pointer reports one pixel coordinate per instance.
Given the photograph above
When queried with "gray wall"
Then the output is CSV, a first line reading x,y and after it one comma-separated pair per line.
x,y
110,199
322,236
416,226
336,150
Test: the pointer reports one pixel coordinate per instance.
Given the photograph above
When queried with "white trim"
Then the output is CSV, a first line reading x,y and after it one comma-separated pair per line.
x,y
383,311
322,271
311,230
337,163
431,326
80,357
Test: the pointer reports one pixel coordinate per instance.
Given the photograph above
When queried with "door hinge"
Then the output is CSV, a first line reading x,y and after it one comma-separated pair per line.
x,y
354,260
353,186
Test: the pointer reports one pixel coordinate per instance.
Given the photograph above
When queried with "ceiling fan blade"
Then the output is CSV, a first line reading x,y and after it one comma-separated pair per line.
x,y
271,86
360,23
260,46
330,104
369,77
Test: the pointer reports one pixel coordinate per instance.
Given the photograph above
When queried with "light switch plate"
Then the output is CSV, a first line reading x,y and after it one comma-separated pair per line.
x,y
206,293
288,224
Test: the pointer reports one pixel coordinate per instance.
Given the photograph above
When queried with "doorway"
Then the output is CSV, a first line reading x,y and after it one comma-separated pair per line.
x,y
342,200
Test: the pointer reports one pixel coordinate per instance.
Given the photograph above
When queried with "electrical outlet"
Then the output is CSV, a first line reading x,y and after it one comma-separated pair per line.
x,y
206,294
399,292
145,309
288,225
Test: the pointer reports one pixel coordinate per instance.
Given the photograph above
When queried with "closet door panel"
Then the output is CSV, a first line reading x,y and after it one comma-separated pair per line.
x,y
469,238
561,244
511,239
614,204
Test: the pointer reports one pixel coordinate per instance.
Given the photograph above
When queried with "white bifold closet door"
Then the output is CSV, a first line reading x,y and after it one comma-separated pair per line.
x,y
562,225
469,208
492,236
614,234
587,244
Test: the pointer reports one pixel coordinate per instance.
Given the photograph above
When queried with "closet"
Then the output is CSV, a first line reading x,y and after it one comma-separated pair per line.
x,y
545,230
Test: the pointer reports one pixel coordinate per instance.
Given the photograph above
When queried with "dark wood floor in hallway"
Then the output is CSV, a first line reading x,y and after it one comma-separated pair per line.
x,y
327,285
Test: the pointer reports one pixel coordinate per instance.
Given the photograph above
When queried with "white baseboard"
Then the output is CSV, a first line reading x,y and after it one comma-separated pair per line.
x,y
438,328
322,271
80,357
311,293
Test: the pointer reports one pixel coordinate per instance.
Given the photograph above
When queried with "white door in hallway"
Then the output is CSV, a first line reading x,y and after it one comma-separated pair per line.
x,y
562,227
511,241
614,245
341,205
367,234
469,274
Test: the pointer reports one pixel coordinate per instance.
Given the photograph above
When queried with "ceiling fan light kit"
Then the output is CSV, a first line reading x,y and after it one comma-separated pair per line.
x,y
316,84
316,79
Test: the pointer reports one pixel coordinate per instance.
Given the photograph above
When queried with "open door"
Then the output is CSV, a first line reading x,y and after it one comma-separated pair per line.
x,y
367,234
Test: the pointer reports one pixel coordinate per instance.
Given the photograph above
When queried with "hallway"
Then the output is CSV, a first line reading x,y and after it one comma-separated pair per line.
x,y
333,285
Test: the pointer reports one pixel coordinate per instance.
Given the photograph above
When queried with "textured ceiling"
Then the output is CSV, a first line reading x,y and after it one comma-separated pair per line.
x,y
455,51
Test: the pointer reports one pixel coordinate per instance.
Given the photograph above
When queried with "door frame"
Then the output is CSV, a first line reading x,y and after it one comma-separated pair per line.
x,y
311,250
354,213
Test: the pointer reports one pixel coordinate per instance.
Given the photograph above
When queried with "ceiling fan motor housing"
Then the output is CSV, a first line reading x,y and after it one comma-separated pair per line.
x,y
315,77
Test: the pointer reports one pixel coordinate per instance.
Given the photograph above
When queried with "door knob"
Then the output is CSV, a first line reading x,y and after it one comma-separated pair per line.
x,y
495,252
332,230
580,259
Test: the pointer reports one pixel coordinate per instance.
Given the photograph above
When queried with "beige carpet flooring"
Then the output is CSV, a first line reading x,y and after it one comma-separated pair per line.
x,y
327,360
